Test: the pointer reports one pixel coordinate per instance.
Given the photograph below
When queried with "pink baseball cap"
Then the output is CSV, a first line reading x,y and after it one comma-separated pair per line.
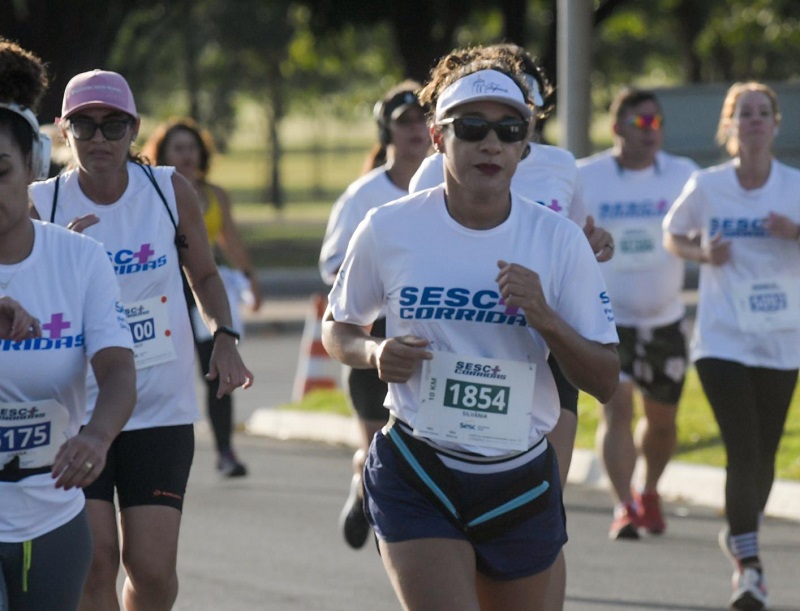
x,y
97,88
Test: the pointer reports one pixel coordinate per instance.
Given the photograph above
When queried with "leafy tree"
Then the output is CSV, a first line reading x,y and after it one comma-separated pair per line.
x,y
70,38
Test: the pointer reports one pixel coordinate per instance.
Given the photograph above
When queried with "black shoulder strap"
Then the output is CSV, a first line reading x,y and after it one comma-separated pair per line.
x,y
55,200
180,241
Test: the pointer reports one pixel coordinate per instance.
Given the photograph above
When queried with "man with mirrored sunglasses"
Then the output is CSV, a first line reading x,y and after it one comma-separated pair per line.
x,y
629,189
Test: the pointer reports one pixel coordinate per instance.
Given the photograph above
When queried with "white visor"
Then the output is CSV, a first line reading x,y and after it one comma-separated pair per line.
x,y
485,85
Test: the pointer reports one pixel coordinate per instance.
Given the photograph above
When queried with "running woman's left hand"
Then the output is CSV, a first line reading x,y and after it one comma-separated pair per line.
x,y
521,288
79,461
780,226
227,366
601,241
16,323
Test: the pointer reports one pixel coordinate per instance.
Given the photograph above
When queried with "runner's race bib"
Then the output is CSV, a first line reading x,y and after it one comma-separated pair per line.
x,y
636,247
476,401
33,431
767,305
148,320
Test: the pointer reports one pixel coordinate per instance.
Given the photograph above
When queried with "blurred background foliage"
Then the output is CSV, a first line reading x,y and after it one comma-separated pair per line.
x,y
284,77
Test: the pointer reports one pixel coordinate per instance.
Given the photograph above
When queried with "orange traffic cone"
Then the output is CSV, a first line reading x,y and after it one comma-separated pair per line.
x,y
315,368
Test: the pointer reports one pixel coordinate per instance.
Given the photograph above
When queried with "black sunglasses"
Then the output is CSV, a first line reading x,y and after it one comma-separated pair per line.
x,y
475,129
85,129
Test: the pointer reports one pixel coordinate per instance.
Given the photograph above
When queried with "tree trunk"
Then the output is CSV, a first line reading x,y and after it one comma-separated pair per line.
x,y
691,19
414,23
70,41
188,27
275,194
514,19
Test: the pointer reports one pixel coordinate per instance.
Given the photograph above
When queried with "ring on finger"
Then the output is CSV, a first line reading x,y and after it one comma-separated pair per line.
x,y
88,465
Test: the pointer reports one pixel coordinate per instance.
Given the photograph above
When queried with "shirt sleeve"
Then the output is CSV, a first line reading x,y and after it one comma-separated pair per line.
x,y
105,325
429,174
684,216
344,219
577,207
583,300
357,295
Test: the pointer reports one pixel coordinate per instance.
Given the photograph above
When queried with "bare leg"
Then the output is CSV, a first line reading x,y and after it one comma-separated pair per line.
x,y
150,556
615,441
526,594
562,437
656,436
100,590
432,574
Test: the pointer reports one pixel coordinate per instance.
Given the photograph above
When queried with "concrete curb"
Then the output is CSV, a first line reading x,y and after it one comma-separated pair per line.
x,y
698,484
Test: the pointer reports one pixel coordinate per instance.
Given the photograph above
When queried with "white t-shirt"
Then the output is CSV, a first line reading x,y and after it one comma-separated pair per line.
x,y
644,280
373,189
762,274
547,176
139,237
67,283
436,279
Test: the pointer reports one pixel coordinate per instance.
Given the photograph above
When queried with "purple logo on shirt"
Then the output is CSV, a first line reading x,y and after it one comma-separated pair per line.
x,y
144,253
56,325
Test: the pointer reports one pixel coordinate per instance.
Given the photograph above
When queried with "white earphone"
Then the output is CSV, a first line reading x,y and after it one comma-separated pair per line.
x,y
40,151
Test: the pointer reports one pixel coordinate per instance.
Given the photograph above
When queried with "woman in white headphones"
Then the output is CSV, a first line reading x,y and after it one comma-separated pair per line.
x,y
59,315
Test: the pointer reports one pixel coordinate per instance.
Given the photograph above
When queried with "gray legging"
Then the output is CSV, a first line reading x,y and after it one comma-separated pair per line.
x,y
750,405
59,563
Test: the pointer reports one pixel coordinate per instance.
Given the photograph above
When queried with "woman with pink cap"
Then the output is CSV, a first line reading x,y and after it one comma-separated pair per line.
x,y
463,478
150,224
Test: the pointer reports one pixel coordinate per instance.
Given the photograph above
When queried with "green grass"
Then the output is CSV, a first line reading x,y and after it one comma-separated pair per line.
x,y
698,435
291,236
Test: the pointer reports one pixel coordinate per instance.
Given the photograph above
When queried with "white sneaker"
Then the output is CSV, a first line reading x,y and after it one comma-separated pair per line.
x,y
749,590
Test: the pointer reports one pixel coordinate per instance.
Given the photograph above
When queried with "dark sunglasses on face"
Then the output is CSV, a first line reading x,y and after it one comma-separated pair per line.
x,y
85,129
645,121
475,129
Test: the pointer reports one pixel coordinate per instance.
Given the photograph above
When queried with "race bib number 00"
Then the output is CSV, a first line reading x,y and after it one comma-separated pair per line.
x,y
476,401
148,320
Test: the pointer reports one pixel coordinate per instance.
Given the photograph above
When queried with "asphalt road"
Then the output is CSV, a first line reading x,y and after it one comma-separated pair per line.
x,y
271,540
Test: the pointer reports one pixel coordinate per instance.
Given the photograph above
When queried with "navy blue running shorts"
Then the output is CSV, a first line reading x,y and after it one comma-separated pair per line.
x,y
147,467
398,512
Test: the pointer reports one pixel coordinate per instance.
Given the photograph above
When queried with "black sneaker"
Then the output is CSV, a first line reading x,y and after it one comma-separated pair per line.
x,y
352,520
228,466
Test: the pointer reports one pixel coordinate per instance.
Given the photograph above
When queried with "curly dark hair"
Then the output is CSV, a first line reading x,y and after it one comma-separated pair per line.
x,y
509,59
23,81
23,77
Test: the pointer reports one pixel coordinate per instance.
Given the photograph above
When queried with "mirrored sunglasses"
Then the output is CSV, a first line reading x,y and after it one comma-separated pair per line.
x,y
475,129
645,121
85,129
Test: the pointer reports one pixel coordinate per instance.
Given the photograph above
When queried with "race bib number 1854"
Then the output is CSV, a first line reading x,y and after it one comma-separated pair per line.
x,y
476,401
